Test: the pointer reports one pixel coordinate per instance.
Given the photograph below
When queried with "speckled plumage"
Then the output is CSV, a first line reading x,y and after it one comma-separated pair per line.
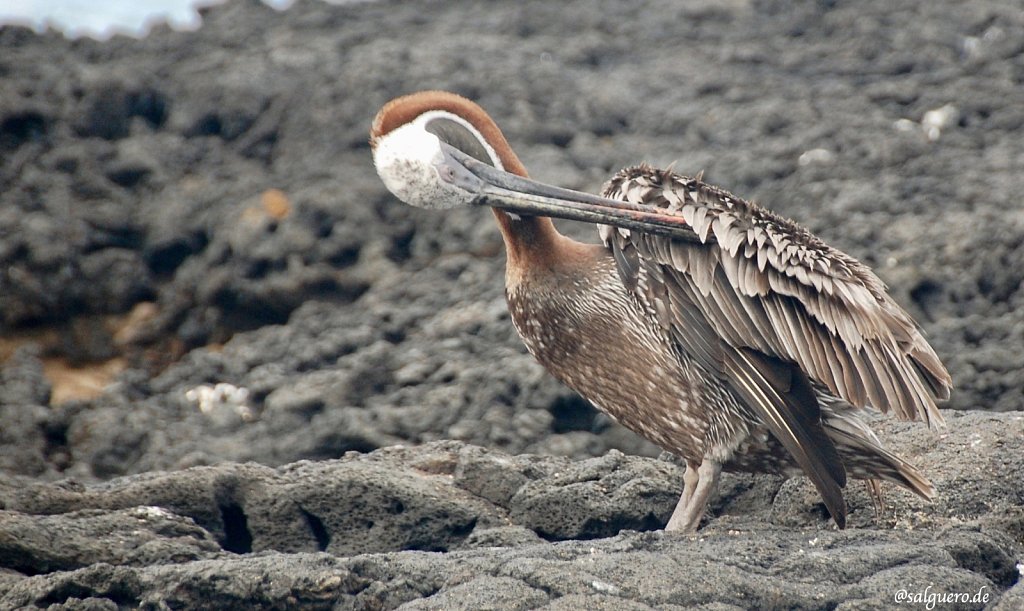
x,y
765,282
626,332
593,335
727,335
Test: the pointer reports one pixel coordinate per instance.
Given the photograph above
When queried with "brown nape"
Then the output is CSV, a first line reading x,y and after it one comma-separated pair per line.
x,y
400,111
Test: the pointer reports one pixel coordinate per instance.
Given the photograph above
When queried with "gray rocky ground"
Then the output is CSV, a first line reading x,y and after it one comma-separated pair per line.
x,y
195,209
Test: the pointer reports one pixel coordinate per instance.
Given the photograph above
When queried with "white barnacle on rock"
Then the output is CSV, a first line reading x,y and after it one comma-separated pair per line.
x,y
936,120
150,512
905,125
220,399
818,156
605,587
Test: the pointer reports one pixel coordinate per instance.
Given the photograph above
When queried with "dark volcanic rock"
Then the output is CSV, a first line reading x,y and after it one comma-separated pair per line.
x,y
630,571
489,512
201,209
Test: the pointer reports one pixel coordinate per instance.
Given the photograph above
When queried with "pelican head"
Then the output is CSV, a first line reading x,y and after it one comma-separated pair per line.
x,y
438,150
415,138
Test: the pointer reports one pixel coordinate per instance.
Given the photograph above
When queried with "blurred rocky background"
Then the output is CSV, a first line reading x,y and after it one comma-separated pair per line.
x,y
203,281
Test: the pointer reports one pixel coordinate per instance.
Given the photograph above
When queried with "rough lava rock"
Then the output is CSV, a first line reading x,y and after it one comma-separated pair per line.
x,y
217,327
451,525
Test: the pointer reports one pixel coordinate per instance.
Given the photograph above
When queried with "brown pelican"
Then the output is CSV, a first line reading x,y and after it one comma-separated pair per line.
x,y
726,334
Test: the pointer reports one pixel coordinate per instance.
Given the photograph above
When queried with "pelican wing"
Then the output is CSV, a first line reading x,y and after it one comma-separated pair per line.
x,y
754,283
775,392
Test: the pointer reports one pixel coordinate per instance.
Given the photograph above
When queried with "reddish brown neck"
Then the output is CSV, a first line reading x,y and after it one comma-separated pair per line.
x,y
531,242
537,252
528,237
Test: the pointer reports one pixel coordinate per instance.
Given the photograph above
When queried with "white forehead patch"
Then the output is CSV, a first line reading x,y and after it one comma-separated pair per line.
x,y
407,161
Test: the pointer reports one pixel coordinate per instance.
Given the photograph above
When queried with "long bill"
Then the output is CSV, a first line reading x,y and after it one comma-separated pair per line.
x,y
486,185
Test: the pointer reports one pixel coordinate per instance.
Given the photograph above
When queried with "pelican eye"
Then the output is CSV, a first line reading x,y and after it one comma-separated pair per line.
x,y
456,135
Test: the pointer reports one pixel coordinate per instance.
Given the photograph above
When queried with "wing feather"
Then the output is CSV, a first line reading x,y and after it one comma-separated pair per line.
x,y
790,410
762,282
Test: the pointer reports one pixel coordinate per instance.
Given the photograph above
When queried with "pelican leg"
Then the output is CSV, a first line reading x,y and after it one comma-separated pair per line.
x,y
689,511
689,484
877,499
